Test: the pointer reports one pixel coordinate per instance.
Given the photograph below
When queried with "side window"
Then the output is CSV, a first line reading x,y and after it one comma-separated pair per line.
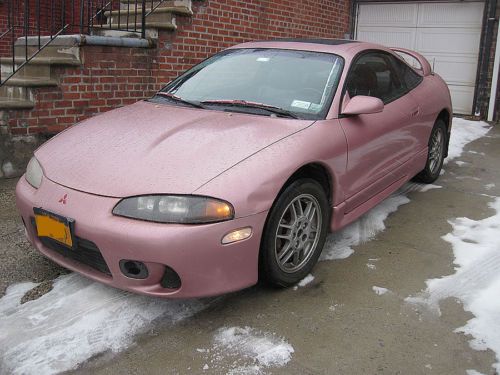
x,y
374,75
409,76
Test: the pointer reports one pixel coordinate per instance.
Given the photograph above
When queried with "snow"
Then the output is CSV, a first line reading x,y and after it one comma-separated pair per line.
x,y
80,318
379,290
489,186
371,266
339,245
463,132
306,280
76,320
476,281
428,187
258,349
473,372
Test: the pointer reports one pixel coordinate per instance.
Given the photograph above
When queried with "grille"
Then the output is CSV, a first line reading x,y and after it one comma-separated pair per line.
x,y
85,252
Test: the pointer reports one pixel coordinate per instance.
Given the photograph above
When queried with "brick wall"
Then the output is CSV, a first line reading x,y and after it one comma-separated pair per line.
x,y
111,77
50,18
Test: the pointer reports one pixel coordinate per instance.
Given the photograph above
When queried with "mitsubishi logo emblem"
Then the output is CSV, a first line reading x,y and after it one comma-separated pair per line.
x,y
63,199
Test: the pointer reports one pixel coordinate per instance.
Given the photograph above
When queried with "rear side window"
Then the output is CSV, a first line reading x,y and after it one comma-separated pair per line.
x,y
373,74
408,75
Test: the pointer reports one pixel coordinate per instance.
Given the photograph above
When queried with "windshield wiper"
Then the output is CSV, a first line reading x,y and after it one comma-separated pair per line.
x,y
246,104
178,99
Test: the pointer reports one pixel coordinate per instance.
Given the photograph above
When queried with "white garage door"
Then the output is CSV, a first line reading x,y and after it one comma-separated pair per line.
x,y
447,34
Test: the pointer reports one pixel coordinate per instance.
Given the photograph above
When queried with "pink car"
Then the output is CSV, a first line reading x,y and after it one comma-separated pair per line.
x,y
238,169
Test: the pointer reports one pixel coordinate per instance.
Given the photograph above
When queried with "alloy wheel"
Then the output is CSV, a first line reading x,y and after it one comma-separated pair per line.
x,y
298,233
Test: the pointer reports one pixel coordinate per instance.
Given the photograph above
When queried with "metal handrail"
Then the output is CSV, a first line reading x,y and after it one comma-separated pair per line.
x,y
51,18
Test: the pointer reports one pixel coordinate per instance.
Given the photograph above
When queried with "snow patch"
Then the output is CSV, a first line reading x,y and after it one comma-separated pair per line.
x,y
338,245
379,290
371,266
476,282
463,132
429,187
489,186
460,163
77,319
252,349
473,372
306,280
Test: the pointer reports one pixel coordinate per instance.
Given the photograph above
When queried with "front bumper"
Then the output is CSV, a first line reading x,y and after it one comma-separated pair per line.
x,y
195,252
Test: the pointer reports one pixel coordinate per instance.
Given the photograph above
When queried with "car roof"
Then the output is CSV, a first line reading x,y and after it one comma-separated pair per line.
x,y
342,47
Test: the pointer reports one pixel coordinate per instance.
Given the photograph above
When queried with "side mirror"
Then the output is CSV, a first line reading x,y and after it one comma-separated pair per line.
x,y
363,105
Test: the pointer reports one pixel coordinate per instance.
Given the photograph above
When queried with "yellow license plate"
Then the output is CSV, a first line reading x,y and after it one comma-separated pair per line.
x,y
53,226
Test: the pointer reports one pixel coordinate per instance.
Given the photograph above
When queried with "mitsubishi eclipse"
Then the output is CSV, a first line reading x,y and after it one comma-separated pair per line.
x,y
237,170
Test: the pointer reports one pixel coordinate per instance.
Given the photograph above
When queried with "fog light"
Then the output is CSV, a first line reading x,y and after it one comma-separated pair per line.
x,y
237,235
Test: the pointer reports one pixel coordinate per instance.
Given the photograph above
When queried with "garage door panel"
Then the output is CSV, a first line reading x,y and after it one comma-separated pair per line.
x,y
388,36
399,15
451,41
461,98
456,70
460,15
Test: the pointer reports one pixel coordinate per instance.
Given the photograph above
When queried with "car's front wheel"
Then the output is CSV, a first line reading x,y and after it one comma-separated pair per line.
x,y
436,154
295,233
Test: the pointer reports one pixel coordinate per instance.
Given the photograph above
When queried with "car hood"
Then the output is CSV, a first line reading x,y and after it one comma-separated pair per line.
x,y
148,148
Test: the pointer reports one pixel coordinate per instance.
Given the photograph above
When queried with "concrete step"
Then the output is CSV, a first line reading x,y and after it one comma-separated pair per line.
x,y
42,60
149,25
26,71
64,49
130,4
160,15
16,97
31,81
15,104
29,75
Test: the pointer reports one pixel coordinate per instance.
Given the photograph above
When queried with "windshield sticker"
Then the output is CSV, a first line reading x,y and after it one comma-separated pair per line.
x,y
263,59
301,104
315,107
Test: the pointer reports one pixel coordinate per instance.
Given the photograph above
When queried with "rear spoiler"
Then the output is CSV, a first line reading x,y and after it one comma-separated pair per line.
x,y
425,68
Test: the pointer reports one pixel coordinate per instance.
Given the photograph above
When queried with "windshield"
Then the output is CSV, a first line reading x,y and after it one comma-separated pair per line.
x,y
299,82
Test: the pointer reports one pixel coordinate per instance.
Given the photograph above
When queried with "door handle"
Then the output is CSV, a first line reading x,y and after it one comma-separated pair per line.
x,y
414,112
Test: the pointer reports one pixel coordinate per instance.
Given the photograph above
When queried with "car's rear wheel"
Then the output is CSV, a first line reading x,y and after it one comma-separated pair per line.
x,y
435,156
294,234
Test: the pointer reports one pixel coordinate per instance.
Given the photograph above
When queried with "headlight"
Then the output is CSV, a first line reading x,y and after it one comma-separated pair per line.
x,y
181,209
34,173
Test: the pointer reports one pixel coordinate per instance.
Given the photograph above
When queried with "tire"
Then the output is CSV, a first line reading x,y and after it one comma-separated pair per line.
x,y
291,246
435,156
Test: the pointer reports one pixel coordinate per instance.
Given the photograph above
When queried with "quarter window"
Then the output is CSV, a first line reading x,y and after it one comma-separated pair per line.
x,y
373,74
409,76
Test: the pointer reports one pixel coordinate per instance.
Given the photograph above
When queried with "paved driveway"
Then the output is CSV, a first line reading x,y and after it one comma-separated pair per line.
x,y
353,315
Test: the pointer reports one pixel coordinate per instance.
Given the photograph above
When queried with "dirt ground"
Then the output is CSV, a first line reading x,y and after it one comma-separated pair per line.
x,y
336,324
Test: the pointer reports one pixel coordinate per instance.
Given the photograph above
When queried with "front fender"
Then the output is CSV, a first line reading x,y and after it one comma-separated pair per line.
x,y
253,184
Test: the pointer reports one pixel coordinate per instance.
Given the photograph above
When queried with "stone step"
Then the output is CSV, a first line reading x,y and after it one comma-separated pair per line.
x,y
31,81
29,75
149,25
16,97
15,104
160,15
41,60
62,49
130,4
28,70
